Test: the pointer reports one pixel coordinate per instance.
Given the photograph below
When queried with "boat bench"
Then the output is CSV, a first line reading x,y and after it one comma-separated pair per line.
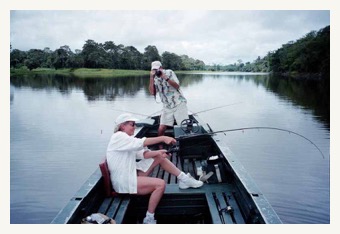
x,y
115,204
116,207
219,198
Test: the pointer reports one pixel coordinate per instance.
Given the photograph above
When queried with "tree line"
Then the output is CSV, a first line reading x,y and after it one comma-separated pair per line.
x,y
101,55
309,54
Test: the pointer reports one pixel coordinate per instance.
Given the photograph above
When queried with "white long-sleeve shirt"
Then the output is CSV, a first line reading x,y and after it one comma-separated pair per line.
x,y
122,152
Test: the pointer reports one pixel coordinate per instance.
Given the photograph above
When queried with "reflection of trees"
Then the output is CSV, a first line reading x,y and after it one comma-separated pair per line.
x,y
310,94
95,88
109,88
189,79
58,82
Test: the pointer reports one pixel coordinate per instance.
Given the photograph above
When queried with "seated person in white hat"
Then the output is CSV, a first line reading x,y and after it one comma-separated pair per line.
x,y
130,176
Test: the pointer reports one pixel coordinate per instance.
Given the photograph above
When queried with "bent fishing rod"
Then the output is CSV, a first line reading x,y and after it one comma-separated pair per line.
x,y
150,115
216,108
248,128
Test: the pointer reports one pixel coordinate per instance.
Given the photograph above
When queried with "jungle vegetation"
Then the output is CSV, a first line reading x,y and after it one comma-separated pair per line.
x,y
307,55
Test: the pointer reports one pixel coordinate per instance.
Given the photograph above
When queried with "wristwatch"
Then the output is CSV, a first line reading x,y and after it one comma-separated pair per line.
x,y
167,79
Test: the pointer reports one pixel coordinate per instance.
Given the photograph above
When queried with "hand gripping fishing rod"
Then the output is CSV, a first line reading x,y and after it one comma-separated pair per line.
x,y
249,128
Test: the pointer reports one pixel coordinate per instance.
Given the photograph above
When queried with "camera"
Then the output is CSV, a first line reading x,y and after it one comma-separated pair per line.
x,y
159,73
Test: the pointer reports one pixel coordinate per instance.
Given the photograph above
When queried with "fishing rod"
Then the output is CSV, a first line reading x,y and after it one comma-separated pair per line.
x,y
202,110
159,111
135,113
216,108
248,128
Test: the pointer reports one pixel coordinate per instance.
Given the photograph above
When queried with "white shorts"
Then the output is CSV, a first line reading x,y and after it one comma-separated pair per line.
x,y
178,113
144,164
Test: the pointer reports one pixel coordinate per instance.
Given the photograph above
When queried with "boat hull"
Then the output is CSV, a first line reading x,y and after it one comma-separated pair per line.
x,y
232,197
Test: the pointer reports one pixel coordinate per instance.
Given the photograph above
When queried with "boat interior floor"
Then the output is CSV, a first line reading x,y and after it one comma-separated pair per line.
x,y
214,202
223,198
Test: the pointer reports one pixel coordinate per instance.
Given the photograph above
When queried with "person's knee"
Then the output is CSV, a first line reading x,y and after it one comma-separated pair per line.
x,y
159,159
161,185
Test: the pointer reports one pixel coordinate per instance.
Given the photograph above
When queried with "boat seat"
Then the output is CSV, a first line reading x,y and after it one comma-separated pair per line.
x,y
109,191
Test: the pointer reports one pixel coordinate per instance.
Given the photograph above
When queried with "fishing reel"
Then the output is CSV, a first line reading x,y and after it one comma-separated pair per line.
x,y
173,149
189,126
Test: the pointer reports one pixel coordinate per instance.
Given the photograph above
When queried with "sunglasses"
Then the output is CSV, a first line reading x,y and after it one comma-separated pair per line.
x,y
132,124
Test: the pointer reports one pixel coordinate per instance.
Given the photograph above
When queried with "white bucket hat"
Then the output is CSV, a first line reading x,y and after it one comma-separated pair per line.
x,y
122,119
155,65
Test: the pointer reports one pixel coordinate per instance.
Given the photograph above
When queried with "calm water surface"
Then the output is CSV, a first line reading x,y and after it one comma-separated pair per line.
x,y
60,127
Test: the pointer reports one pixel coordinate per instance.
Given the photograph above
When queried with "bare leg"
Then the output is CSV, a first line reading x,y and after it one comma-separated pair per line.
x,y
153,186
161,130
165,163
168,166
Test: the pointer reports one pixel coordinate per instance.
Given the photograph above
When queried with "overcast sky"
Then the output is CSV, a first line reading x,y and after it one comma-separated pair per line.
x,y
215,37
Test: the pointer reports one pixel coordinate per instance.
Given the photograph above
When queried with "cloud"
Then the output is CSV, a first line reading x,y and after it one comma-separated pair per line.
x,y
216,37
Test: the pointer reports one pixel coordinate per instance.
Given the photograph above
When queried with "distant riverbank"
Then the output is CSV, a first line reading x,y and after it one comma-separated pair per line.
x,y
86,72
109,73
81,72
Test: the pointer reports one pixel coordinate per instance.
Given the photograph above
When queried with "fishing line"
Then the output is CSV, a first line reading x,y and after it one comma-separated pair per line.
x,y
159,111
216,108
125,111
250,128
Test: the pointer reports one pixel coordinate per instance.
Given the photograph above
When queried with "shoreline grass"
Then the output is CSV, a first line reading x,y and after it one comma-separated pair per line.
x,y
81,72
93,72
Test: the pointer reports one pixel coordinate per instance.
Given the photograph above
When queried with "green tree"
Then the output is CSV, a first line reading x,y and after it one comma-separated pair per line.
x,y
17,58
48,58
112,51
94,55
130,58
61,57
75,60
171,61
309,54
150,54
34,59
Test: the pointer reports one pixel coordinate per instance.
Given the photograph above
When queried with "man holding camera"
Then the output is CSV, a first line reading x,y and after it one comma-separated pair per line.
x,y
166,84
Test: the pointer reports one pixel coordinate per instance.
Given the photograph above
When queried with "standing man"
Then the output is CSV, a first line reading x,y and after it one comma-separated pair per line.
x,y
166,84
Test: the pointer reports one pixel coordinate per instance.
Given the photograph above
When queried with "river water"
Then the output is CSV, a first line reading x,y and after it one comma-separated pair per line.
x,y
60,127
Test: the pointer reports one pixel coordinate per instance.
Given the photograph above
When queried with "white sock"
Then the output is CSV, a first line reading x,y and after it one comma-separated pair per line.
x,y
151,215
181,176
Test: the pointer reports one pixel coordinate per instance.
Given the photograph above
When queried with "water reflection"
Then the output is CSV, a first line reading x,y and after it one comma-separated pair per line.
x,y
60,127
310,95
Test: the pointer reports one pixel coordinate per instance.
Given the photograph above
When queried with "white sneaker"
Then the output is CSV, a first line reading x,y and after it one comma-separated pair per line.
x,y
189,182
149,220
